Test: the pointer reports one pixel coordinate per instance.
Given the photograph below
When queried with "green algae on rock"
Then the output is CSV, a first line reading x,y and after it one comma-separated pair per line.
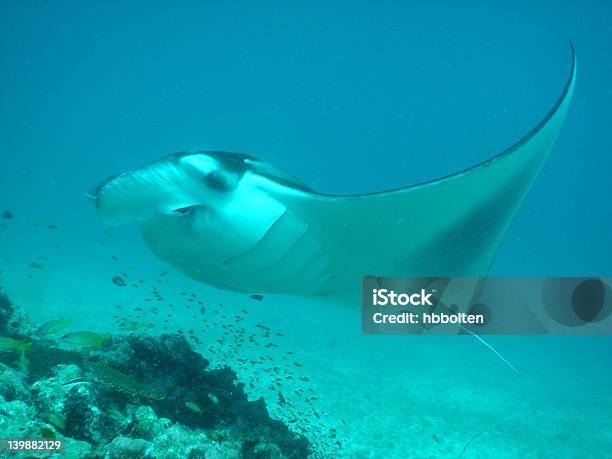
x,y
116,380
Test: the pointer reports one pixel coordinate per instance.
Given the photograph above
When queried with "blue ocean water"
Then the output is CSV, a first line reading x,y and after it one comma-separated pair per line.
x,y
351,98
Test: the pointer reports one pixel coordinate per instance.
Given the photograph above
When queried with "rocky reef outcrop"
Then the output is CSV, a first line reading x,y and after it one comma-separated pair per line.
x,y
135,396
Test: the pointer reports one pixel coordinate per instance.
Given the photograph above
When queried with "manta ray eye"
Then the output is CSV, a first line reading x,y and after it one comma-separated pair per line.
x,y
219,181
214,173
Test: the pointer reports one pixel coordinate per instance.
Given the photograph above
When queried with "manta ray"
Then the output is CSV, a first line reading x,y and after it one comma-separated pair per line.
x,y
237,223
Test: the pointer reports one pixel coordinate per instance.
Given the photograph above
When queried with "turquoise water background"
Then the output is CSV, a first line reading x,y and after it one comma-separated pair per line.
x,y
350,97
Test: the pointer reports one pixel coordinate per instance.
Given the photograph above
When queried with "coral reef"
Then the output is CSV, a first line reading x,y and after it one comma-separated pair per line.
x,y
136,396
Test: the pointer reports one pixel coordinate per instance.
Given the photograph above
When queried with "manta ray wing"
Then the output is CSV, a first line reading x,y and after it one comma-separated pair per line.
x,y
447,227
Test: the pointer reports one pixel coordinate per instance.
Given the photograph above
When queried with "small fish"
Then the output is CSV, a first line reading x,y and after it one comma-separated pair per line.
x,y
119,281
10,345
74,381
213,398
7,215
116,413
24,363
193,407
132,325
56,420
256,297
47,433
51,327
86,338
52,227
35,265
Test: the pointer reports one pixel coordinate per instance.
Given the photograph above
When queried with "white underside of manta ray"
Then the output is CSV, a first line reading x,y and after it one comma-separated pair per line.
x,y
236,223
